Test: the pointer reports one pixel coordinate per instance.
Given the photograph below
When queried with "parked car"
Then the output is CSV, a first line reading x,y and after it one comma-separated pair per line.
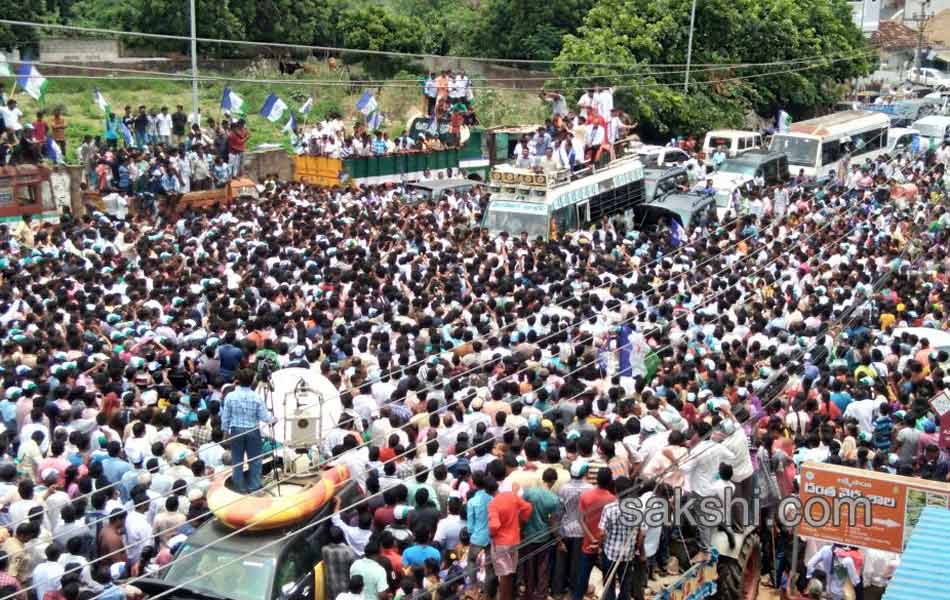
x,y
928,76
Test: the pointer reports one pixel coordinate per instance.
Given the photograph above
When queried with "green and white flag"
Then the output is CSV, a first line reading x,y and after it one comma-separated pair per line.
x,y
31,81
100,101
5,70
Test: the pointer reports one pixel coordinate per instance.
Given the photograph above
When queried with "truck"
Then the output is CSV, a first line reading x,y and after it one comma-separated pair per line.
x,y
27,190
242,187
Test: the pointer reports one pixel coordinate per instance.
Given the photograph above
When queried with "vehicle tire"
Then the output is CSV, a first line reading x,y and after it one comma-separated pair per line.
x,y
739,577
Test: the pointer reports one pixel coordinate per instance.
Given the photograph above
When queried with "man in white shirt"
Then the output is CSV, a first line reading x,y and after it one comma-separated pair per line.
x,y
48,574
212,453
138,531
701,469
863,412
11,116
163,122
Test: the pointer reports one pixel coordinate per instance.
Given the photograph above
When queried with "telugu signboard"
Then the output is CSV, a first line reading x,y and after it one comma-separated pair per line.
x,y
896,503
941,406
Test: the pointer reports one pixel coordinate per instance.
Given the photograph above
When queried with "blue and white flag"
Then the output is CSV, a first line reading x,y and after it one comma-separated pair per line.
x,y
305,108
34,84
54,152
232,103
126,134
677,235
367,103
783,121
291,125
273,108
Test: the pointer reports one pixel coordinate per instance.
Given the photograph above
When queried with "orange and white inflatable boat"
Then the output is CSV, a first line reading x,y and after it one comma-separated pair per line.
x,y
294,499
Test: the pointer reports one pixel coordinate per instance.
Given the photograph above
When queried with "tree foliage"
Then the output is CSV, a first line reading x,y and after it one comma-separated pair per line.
x,y
816,40
336,23
527,30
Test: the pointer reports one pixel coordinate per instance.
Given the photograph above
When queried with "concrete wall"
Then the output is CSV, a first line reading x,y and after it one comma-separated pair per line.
x,y
77,50
258,165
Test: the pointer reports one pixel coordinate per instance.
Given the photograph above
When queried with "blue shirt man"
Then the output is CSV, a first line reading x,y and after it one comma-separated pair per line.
x,y
113,467
241,414
477,513
230,357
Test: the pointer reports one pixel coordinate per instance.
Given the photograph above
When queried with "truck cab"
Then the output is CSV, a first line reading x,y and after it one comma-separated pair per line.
x,y
26,190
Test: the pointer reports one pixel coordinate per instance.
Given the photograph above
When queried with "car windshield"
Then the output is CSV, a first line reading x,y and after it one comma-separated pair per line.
x,y
739,167
514,223
417,192
224,574
802,152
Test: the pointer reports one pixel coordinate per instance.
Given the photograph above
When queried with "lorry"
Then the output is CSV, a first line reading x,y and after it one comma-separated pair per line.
x,y
27,190
241,187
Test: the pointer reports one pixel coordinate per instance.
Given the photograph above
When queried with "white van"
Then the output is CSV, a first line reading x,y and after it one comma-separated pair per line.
x,y
734,140
933,129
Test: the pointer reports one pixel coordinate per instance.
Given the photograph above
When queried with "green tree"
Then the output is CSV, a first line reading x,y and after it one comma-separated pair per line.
x,y
527,30
817,36
381,29
11,36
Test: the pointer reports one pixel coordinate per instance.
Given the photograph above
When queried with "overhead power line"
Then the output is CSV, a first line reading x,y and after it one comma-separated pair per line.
x,y
336,49
139,75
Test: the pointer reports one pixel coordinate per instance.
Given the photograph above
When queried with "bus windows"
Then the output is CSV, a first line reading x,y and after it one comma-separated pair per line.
x,y
802,152
831,152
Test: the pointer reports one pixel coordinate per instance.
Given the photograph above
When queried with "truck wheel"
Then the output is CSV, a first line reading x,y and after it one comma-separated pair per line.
x,y
739,577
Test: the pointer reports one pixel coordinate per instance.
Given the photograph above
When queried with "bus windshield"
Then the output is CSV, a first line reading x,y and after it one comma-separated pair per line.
x,y
802,152
496,221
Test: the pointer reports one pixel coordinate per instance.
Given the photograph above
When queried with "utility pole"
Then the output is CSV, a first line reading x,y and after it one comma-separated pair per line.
x,y
194,65
921,18
689,46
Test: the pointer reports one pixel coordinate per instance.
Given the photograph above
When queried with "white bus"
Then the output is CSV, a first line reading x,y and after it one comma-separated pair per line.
x,y
817,146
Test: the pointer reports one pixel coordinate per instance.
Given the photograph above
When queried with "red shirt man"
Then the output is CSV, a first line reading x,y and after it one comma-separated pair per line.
x,y
237,140
590,505
40,129
507,511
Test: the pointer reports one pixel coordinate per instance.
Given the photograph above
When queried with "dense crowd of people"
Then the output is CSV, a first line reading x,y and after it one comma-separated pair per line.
x,y
500,394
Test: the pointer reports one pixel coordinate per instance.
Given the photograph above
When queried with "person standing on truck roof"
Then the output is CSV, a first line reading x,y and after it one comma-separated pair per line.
x,y
58,126
237,146
11,116
241,415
